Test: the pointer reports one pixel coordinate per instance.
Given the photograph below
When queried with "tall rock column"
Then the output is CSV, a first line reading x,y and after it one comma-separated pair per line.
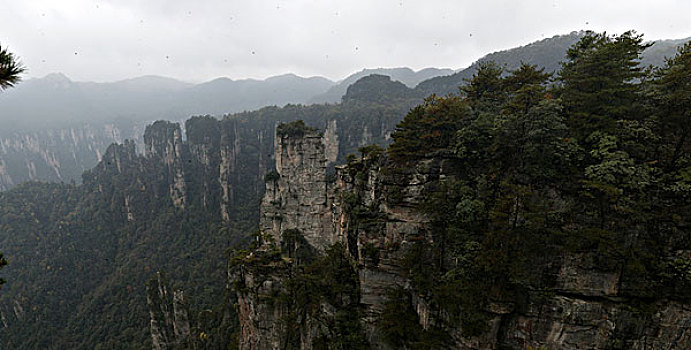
x,y
170,325
296,194
163,142
296,201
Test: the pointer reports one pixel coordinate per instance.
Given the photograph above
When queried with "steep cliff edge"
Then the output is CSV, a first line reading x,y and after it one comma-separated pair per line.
x,y
375,214
59,154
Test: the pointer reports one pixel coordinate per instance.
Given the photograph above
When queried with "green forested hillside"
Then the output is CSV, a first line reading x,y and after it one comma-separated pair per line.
x,y
500,216
595,167
597,164
80,256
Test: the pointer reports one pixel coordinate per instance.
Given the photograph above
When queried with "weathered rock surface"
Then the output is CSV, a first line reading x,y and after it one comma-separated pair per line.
x,y
586,310
170,325
58,154
298,198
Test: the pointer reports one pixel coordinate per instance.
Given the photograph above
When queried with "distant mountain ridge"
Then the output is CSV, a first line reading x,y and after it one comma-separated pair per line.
x,y
547,53
56,98
404,75
53,128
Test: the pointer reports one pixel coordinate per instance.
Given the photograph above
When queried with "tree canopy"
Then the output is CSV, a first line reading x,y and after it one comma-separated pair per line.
x,y
10,69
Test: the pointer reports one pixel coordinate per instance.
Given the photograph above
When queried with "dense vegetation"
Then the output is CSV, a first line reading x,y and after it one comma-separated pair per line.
x,y
594,160
79,263
597,165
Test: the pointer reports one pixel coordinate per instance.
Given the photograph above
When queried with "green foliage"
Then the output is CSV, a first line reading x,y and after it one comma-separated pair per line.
x,y
600,174
371,152
377,88
371,252
329,279
297,128
10,69
428,128
671,96
272,176
400,326
3,262
601,82
485,89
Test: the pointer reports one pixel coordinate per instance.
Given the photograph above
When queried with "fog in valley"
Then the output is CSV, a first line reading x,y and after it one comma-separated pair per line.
x,y
148,159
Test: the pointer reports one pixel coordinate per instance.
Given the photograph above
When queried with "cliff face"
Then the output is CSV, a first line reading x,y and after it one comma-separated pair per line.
x,y
297,198
58,154
375,215
170,324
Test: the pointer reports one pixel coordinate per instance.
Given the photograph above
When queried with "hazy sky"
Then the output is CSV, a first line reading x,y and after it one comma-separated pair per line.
x,y
197,40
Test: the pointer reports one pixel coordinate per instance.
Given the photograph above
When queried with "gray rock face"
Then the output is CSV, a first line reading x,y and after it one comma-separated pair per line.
x,y
163,142
586,309
170,325
298,198
261,327
58,154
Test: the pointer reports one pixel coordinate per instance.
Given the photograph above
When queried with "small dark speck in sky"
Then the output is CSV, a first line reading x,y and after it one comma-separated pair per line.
x,y
75,54
253,52
471,35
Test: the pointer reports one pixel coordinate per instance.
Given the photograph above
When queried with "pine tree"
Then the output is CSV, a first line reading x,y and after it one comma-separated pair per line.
x,y
10,69
672,96
485,90
601,82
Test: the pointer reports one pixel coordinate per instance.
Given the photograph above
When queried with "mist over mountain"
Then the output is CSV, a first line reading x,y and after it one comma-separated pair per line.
x,y
547,53
56,99
404,75
54,128
173,197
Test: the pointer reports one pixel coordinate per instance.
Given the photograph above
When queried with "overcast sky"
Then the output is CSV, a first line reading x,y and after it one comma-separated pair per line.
x,y
198,40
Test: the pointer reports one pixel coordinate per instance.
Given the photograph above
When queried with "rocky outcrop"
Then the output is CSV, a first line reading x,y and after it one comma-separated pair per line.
x,y
163,143
170,325
376,215
260,322
58,154
296,198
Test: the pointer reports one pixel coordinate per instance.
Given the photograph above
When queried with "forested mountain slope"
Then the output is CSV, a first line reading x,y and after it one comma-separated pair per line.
x,y
516,216
547,53
80,255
